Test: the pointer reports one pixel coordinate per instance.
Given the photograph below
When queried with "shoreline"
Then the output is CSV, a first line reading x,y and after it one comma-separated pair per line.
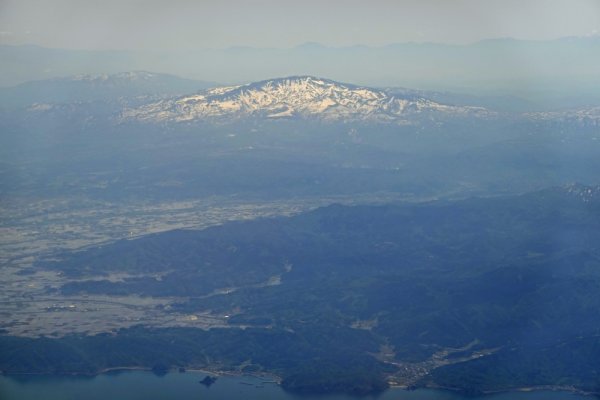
x,y
522,389
275,379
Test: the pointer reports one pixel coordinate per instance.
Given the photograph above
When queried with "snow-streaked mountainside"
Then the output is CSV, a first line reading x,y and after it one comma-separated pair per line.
x,y
584,193
589,117
299,96
572,192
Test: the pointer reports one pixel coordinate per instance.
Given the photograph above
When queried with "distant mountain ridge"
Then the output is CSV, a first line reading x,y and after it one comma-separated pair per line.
x,y
94,87
491,67
585,116
584,193
148,97
295,96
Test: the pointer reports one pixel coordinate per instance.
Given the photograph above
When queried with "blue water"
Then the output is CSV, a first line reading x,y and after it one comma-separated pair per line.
x,y
141,385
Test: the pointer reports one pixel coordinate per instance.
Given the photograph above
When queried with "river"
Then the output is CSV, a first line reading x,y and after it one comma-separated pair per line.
x,y
142,385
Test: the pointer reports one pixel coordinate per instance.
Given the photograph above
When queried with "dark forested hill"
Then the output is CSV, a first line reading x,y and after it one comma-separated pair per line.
x,y
339,291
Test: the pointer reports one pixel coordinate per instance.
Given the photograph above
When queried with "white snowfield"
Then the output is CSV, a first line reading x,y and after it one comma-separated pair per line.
x,y
294,97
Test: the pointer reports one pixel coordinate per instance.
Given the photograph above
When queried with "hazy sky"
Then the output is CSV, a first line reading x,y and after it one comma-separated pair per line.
x,y
186,24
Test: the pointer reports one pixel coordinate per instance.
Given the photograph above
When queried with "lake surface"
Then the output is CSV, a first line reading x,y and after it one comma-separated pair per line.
x,y
142,385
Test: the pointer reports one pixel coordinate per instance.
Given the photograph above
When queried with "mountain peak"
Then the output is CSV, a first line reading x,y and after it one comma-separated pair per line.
x,y
286,89
299,96
300,78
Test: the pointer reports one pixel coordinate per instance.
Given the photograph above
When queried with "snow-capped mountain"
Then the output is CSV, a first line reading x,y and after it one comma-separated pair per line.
x,y
300,97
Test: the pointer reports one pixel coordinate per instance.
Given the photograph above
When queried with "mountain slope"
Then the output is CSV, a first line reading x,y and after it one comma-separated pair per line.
x,y
579,117
94,87
298,96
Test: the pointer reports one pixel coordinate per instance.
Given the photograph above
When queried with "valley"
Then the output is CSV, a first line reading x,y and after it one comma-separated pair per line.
x,y
417,313
341,237
30,304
